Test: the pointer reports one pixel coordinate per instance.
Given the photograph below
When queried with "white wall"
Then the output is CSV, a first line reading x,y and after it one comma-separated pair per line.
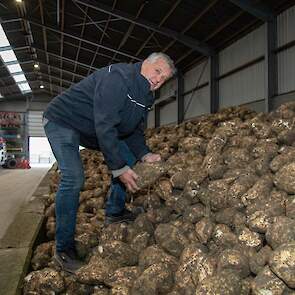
x,y
286,26
168,89
197,103
16,106
168,113
242,87
22,106
286,58
248,84
243,51
200,74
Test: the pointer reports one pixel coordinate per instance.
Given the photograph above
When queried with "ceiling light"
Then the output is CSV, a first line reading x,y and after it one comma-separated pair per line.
x,y
19,78
10,61
3,39
36,66
15,68
24,87
18,1
41,86
8,55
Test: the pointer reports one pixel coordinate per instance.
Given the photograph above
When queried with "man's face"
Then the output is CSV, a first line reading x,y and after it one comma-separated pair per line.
x,y
157,73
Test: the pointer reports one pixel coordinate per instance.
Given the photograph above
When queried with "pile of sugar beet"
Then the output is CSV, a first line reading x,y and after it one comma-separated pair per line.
x,y
219,214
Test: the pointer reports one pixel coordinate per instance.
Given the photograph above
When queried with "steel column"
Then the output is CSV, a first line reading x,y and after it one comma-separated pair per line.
x,y
180,97
214,85
157,115
271,71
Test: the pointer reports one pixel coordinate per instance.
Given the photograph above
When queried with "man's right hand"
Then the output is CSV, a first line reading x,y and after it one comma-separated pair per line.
x,y
129,178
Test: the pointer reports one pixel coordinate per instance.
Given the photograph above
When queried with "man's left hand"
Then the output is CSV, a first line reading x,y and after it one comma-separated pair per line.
x,y
151,158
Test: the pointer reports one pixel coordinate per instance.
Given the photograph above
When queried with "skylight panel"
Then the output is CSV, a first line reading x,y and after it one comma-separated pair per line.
x,y
14,68
3,39
24,87
19,78
8,55
11,62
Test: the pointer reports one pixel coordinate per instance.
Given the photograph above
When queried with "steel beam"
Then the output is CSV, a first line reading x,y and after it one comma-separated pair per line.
x,y
45,39
77,37
258,10
15,62
49,76
4,48
9,19
129,31
97,22
214,84
57,12
62,36
193,21
17,95
211,35
63,70
161,23
7,88
89,50
48,82
188,41
63,58
80,42
87,16
180,97
44,64
102,36
271,68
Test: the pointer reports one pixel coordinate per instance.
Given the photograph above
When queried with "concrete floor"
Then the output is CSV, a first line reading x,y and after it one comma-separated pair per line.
x,y
16,188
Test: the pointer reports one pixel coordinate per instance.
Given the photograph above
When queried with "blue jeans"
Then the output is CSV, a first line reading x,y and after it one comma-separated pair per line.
x,y
65,146
117,193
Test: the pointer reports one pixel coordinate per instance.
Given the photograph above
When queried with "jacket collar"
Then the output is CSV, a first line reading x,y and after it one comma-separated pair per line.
x,y
141,80
144,85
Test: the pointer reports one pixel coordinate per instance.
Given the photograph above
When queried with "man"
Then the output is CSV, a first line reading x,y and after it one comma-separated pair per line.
x,y
105,111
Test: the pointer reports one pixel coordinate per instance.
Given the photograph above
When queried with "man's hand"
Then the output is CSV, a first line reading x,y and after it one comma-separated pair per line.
x,y
129,178
151,158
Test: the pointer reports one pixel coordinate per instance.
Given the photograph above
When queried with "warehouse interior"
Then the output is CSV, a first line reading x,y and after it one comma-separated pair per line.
x,y
235,63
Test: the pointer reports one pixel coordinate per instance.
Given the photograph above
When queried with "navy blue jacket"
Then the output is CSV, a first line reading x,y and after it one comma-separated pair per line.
x,y
109,105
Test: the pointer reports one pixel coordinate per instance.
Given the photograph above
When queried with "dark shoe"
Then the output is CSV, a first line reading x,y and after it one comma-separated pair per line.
x,y
72,252
127,216
66,262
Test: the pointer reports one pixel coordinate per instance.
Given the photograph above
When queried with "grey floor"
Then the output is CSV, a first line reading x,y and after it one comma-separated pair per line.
x,y
16,188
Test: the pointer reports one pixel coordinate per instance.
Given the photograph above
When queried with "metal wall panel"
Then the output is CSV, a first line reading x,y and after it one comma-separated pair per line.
x,y
257,106
168,113
13,106
286,70
168,89
286,26
151,118
200,103
244,50
278,100
243,87
35,127
192,77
